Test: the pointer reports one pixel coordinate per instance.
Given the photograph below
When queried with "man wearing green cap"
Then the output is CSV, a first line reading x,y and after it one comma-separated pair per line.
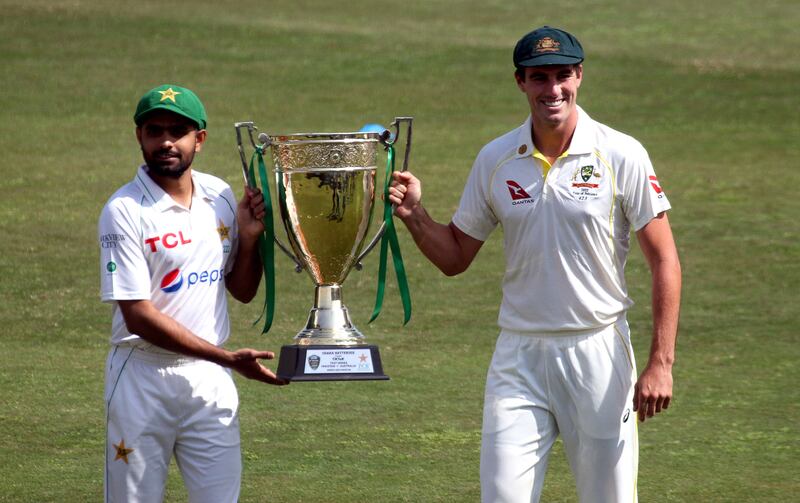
x,y
567,191
172,241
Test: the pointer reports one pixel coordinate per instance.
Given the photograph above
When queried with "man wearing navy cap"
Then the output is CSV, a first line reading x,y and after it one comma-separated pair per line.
x,y
567,191
172,242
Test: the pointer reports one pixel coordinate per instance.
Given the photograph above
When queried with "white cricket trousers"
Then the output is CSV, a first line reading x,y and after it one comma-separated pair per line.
x,y
578,386
158,405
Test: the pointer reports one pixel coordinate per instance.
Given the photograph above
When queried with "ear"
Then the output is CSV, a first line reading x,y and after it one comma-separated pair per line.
x,y
579,74
139,134
200,138
520,81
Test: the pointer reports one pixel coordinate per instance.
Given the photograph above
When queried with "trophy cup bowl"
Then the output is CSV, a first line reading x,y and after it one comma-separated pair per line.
x,y
326,192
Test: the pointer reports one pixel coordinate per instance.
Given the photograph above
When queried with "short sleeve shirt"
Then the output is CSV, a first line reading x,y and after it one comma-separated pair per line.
x,y
152,248
566,234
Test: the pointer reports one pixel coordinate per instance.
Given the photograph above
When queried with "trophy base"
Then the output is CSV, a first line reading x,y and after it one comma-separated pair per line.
x,y
330,363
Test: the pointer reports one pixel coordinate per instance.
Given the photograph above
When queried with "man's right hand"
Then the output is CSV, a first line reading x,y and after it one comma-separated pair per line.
x,y
405,192
245,361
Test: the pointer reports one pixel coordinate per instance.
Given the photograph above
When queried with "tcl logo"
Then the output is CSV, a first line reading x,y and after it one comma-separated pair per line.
x,y
168,240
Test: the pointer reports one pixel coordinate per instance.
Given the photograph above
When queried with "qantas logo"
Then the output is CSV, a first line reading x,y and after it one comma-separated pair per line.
x,y
518,194
173,280
656,186
516,191
654,183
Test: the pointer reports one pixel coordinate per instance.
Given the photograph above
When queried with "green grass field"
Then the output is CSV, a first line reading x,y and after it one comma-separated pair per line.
x,y
710,88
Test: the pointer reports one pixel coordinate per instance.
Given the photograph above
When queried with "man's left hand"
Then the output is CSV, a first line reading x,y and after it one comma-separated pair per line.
x,y
653,391
250,214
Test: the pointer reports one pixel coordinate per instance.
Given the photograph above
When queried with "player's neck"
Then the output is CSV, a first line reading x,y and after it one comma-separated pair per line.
x,y
552,141
179,189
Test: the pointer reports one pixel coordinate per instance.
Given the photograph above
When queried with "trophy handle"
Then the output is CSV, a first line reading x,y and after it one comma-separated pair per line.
x,y
266,140
388,142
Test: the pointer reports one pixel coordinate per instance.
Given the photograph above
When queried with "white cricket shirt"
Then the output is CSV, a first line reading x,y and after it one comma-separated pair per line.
x,y
566,235
154,249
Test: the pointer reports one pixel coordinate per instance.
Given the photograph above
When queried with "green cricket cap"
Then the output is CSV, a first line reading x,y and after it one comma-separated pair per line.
x,y
174,98
547,46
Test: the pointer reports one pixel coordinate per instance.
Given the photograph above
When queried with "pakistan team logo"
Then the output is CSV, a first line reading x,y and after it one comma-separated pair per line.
x,y
111,266
586,172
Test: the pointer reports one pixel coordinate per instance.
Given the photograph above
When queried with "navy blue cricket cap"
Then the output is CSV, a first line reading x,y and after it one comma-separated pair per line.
x,y
547,46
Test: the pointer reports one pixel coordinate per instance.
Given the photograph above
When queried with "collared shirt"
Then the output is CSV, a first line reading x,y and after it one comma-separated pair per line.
x,y
566,234
152,248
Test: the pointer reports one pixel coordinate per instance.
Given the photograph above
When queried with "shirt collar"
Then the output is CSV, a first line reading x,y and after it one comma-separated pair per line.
x,y
160,199
581,140
524,139
199,189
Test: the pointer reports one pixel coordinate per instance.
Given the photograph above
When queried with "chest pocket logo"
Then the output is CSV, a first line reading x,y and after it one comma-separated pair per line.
x,y
518,194
585,183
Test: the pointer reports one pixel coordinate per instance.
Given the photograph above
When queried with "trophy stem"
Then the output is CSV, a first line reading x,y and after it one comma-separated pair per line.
x,y
329,322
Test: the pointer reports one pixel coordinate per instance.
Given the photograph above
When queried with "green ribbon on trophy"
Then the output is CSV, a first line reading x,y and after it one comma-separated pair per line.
x,y
389,239
266,240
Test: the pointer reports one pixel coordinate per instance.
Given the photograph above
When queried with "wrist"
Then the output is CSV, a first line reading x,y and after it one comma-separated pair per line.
x,y
248,241
413,214
661,360
222,357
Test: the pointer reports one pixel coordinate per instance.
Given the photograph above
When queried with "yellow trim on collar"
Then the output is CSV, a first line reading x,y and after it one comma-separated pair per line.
x,y
545,163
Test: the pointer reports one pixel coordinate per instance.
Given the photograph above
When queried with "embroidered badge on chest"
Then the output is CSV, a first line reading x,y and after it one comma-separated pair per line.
x,y
224,236
585,183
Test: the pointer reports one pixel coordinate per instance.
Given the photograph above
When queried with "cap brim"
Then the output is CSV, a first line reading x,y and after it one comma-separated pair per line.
x,y
550,59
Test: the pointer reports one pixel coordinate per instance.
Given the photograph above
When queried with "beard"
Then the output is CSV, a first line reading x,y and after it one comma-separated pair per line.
x,y
164,166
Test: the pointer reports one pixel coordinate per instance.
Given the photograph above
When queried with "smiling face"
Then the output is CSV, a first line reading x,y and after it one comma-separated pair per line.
x,y
552,93
169,142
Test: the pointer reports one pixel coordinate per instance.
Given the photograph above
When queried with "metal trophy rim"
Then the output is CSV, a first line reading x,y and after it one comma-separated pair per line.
x,y
303,138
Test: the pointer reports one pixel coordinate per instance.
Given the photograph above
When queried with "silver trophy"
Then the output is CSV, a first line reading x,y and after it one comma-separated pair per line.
x,y
325,189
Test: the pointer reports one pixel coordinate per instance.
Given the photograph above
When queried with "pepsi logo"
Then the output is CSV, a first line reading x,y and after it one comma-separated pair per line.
x,y
172,281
